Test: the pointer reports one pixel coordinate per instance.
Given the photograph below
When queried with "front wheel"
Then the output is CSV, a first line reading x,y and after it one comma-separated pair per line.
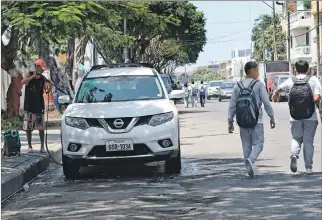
x,y
71,169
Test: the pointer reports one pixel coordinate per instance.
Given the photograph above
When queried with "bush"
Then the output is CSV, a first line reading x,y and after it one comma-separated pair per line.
x,y
14,123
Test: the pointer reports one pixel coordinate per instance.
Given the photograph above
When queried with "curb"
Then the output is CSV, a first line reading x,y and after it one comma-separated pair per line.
x,y
26,173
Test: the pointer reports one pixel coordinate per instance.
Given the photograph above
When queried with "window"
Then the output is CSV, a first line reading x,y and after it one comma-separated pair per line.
x,y
307,39
214,84
227,85
120,88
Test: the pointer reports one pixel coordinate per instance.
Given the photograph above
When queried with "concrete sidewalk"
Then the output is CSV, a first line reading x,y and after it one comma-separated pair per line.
x,y
16,171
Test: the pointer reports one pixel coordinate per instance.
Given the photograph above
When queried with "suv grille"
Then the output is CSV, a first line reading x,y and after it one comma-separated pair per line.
x,y
100,151
93,122
110,122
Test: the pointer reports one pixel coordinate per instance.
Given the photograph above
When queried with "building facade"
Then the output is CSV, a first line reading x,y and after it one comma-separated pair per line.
x,y
238,60
302,32
225,69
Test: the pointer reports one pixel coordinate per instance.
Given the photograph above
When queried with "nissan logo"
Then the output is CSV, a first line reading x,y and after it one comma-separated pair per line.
x,y
118,123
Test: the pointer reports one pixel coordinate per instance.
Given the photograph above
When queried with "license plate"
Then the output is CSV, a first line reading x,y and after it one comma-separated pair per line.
x,y
119,145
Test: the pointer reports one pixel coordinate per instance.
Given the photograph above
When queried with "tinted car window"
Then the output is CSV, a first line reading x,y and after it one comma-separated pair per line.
x,y
120,88
215,84
227,85
166,81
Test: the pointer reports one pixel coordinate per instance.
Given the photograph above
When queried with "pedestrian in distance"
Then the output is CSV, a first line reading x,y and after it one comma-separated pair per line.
x,y
34,105
245,103
193,94
186,95
304,97
202,93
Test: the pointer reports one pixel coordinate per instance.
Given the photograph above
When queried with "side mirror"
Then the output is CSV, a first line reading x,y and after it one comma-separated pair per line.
x,y
64,99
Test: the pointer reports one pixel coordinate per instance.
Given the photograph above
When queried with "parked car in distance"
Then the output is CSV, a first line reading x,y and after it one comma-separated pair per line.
x,y
120,114
226,90
213,89
277,80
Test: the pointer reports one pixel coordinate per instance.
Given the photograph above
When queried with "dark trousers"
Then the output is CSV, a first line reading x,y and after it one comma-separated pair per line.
x,y
202,100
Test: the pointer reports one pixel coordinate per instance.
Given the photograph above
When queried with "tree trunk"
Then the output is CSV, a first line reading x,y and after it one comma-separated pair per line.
x,y
79,52
14,93
9,51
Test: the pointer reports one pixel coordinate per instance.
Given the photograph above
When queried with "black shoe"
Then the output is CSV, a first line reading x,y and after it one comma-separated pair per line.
x,y
294,164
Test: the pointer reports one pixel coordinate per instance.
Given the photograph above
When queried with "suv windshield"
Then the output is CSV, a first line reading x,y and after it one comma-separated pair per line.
x,y
215,84
119,88
227,85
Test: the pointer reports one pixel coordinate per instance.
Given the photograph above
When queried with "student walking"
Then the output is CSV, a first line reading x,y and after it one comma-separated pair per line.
x,y
193,93
202,94
304,97
246,101
186,95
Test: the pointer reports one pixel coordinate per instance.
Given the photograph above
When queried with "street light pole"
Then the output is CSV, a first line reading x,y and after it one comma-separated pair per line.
x,y
318,38
274,33
125,52
289,39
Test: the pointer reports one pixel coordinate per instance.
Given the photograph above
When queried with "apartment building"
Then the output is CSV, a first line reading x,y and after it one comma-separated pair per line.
x,y
238,60
315,14
225,68
301,22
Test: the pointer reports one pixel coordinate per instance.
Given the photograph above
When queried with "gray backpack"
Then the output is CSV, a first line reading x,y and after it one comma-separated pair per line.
x,y
194,90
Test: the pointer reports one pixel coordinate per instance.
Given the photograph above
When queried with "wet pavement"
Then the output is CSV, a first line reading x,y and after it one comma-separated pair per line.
x,y
212,184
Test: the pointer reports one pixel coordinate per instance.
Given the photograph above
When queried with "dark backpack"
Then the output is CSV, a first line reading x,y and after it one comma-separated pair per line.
x,y
202,91
193,90
247,110
12,143
301,103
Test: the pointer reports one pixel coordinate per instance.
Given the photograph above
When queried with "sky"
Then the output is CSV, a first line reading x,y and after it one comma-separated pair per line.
x,y
228,25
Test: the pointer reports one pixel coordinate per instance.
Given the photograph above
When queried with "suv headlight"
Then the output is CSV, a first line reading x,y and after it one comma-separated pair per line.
x,y
80,123
161,119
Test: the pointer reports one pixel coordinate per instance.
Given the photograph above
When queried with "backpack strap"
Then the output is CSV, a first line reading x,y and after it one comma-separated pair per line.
x,y
252,84
241,86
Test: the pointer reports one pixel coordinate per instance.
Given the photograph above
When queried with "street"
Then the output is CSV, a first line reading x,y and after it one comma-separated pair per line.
x,y
212,184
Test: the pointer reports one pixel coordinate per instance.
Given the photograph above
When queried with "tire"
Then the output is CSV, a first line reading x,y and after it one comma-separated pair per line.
x,y
219,99
71,169
173,165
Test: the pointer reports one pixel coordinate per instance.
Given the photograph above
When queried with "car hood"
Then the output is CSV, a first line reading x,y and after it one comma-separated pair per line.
x,y
227,90
119,109
214,87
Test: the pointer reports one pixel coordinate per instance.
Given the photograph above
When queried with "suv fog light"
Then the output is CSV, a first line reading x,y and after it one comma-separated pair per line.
x,y
74,147
165,143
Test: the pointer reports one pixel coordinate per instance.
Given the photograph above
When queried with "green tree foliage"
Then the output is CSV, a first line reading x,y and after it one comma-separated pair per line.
x,y
262,37
205,74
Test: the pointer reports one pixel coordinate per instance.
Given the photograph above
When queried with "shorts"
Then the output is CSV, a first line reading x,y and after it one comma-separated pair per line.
x,y
32,120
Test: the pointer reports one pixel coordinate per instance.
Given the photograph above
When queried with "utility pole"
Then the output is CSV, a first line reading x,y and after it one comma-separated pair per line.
x,y
241,70
125,50
289,39
318,38
274,33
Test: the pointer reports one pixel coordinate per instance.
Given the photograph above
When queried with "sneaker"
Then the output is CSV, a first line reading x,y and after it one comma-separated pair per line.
x,y
249,168
294,164
42,151
309,171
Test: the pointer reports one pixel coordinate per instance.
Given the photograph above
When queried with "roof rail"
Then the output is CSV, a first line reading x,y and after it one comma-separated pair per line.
x,y
119,65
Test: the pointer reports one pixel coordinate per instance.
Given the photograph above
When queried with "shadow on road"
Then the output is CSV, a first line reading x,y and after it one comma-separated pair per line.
x,y
206,189
182,112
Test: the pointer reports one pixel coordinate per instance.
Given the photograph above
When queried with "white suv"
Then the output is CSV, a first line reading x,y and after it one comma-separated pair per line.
x,y
120,114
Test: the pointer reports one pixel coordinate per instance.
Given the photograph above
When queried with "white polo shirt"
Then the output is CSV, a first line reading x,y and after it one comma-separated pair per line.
x,y
315,86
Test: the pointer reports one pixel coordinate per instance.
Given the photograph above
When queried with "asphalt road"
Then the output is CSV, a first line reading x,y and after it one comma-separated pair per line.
x,y
212,184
